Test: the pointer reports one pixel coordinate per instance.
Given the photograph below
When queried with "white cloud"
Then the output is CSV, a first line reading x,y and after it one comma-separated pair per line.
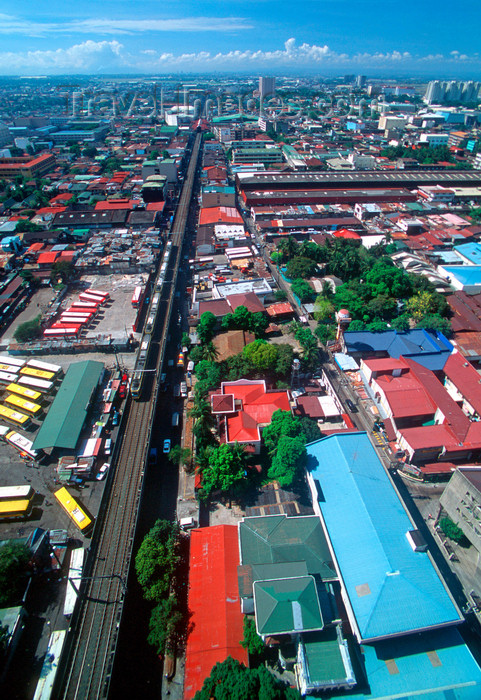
x,y
17,25
112,56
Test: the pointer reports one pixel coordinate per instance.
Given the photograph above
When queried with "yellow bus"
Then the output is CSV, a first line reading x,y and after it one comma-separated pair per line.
x,y
24,392
22,444
12,416
79,516
16,501
37,373
23,404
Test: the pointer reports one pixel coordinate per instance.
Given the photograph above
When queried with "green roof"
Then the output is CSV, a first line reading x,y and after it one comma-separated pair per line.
x,y
287,606
324,663
279,539
66,416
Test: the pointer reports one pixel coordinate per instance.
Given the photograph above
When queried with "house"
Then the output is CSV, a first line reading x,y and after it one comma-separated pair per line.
x,y
245,407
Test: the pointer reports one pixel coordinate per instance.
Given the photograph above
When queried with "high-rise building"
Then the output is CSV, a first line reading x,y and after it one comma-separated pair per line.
x,y
267,87
360,81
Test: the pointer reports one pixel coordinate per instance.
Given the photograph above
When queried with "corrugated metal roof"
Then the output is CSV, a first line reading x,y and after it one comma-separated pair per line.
x,y
392,589
66,416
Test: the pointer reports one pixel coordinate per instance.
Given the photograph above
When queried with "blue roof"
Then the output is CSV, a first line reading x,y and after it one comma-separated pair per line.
x,y
432,666
391,588
466,274
430,349
470,251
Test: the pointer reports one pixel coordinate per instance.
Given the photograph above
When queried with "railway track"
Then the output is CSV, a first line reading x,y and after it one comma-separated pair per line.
x,y
91,645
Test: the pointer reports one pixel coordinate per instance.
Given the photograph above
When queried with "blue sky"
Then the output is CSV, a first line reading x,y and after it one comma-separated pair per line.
x,y
325,37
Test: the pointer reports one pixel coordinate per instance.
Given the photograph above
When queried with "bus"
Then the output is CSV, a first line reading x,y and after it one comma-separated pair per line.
x,y
36,384
74,319
90,298
34,409
79,516
16,501
62,331
45,366
7,360
23,392
136,297
75,576
37,373
96,293
14,417
49,670
22,444
7,377
77,309
8,368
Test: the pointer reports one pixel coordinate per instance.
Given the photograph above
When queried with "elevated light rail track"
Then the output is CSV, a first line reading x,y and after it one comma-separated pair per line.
x,y
87,664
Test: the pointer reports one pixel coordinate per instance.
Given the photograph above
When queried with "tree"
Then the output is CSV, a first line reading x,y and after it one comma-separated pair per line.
x,y
179,455
261,355
62,271
164,620
231,680
301,267
401,323
89,152
357,325
282,423
303,291
14,558
28,331
381,307
280,295
325,332
226,469
424,303
435,322
452,530
209,373
310,350
287,248
209,352
206,326
324,309
289,460
377,326
252,642
387,279
310,429
156,560
285,355
27,226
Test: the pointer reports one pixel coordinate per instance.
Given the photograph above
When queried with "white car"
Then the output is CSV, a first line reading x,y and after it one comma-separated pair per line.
x,y
102,473
166,448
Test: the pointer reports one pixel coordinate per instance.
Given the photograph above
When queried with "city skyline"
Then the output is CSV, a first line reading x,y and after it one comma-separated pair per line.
x,y
327,37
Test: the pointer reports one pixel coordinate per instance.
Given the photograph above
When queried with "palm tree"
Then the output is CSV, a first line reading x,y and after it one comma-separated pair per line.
x,y
209,352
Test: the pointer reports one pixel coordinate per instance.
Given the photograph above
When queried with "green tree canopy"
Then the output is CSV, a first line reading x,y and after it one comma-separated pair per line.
x,y
301,267
252,642
164,620
14,558
28,331
303,291
226,469
324,309
206,326
261,355
289,460
231,680
156,560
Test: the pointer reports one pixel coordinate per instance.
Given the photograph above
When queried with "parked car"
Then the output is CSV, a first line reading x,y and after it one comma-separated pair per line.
x,y
102,473
153,456
183,390
351,406
166,448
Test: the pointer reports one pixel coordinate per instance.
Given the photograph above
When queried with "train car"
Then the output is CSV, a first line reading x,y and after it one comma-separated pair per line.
x,y
139,369
37,373
74,574
149,324
16,502
29,407
24,392
75,512
41,385
14,417
22,444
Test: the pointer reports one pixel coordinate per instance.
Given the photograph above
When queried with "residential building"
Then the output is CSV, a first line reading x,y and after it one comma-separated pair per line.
x,y
461,499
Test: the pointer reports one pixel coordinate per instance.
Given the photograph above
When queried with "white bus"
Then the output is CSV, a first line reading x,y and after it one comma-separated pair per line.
x,y
21,443
45,366
42,385
7,360
74,574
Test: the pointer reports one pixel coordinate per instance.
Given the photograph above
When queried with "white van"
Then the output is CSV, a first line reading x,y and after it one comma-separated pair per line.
x,y
108,446
175,420
187,523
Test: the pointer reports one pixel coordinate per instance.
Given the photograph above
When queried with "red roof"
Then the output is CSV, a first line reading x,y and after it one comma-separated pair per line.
x,y
155,206
51,210
258,405
111,204
216,622
219,215
47,258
